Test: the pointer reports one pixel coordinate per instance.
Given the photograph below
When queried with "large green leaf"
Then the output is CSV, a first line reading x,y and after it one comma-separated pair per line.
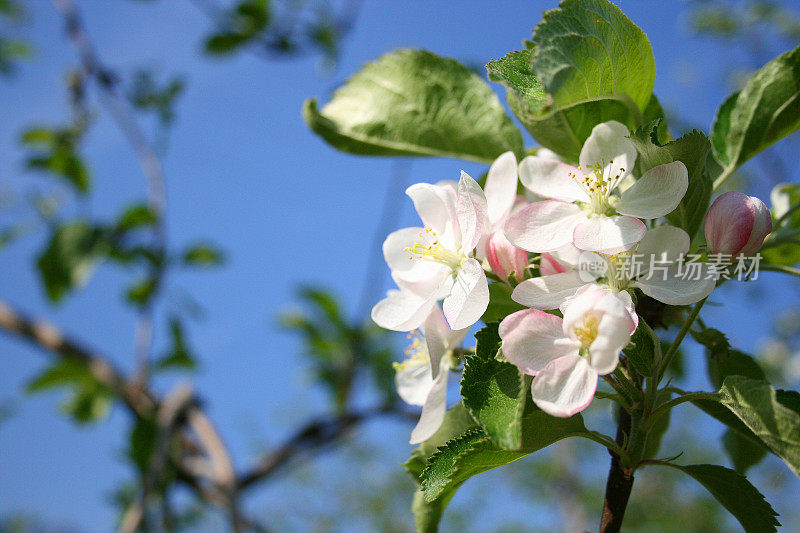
x,y
561,129
427,514
413,102
743,452
772,417
640,352
495,392
766,110
736,494
474,452
589,50
692,151
500,303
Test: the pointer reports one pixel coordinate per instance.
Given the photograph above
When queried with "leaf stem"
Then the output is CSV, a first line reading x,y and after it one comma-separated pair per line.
x,y
679,339
666,406
779,268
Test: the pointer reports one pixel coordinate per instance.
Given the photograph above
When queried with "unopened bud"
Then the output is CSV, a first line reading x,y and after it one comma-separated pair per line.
x,y
504,257
737,224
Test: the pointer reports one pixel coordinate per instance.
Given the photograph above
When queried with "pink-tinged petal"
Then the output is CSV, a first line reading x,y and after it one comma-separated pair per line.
x,y
737,223
548,292
439,338
657,193
663,245
608,235
566,386
674,290
625,296
504,257
550,265
532,339
608,145
551,179
404,264
501,187
402,311
613,334
543,226
471,210
469,296
414,382
434,409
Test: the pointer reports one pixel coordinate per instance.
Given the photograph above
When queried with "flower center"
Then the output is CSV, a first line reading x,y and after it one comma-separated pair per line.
x,y
431,249
586,332
597,185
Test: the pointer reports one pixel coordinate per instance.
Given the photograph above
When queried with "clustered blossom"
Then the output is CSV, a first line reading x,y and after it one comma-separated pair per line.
x,y
596,238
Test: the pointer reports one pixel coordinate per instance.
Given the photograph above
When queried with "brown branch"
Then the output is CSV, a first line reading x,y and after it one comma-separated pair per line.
x,y
620,482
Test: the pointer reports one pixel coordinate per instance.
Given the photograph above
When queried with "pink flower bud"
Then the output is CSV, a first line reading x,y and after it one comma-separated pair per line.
x,y
737,224
504,257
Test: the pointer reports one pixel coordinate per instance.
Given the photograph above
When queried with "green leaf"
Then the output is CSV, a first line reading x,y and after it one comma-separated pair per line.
x,y
758,406
88,401
766,110
561,129
141,292
732,363
589,50
500,303
742,451
474,452
457,421
736,494
641,352
784,225
70,257
692,151
495,392
205,255
136,216
412,102
179,354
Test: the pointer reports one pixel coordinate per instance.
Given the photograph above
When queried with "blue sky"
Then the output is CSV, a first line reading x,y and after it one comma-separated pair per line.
x,y
243,171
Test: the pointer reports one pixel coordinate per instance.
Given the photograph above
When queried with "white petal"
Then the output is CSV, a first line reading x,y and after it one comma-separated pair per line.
x,y
566,386
469,296
414,382
543,226
657,193
609,235
434,409
403,263
532,339
664,244
608,145
402,311
551,179
625,296
674,290
433,205
548,292
471,210
613,334
439,338
501,187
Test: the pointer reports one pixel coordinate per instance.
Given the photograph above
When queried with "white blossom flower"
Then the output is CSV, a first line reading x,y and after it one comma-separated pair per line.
x,y
566,355
422,378
650,266
501,199
436,262
587,206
